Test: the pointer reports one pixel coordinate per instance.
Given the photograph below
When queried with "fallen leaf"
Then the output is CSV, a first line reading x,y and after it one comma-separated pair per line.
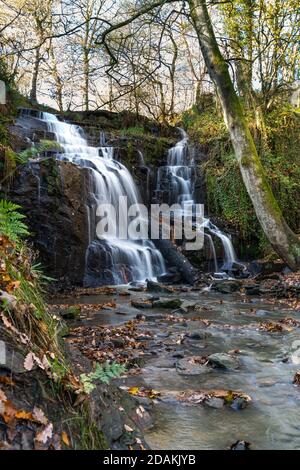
x,y
39,416
6,380
45,434
65,439
29,361
22,414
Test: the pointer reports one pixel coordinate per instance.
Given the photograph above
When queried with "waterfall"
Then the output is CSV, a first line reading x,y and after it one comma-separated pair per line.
x,y
177,176
120,260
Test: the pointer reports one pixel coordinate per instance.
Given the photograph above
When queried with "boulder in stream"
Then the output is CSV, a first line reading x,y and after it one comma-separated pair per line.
x,y
194,365
156,287
226,286
223,361
167,303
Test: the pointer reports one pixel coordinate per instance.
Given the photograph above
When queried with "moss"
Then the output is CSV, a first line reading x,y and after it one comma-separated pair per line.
x,y
278,166
245,161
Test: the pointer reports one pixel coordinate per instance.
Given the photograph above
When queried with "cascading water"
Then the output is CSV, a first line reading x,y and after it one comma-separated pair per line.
x,y
122,260
177,175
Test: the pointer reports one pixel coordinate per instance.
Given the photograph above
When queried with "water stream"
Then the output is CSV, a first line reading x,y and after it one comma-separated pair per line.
x,y
125,259
266,371
177,177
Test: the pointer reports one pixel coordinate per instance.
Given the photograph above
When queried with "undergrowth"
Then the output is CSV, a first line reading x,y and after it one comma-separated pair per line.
x,y
227,197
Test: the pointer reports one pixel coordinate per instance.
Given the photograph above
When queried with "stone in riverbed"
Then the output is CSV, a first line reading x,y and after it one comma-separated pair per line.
x,y
142,303
240,445
194,365
239,403
188,305
252,289
214,402
226,287
71,313
156,287
167,303
179,311
223,361
198,335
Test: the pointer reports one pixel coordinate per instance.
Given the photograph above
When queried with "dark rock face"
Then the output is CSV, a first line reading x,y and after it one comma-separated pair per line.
x,y
53,195
177,260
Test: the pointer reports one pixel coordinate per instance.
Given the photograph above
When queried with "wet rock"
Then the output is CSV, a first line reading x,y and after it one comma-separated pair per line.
x,y
235,269
296,380
194,365
226,287
240,445
223,361
266,267
71,313
12,359
142,304
153,317
179,311
239,403
170,278
172,255
156,287
214,402
187,304
178,355
48,193
198,335
167,303
252,289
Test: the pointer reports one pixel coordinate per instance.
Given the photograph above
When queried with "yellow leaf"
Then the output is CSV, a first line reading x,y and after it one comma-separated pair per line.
x,y
24,415
65,439
133,390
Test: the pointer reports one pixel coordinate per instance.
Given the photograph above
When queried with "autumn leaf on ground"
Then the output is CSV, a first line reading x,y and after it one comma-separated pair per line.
x,y
29,361
65,438
44,434
22,414
39,416
6,380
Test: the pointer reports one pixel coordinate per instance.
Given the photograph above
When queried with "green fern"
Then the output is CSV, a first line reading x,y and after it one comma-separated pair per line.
x,y
11,224
42,146
102,373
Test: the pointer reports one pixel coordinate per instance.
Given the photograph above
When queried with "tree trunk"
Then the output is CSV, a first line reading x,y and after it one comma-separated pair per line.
x,y
281,237
86,74
35,73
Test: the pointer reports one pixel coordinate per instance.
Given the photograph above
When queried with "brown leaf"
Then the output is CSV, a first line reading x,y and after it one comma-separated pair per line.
x,y
39,416
6,380
22,414
65,438
45,434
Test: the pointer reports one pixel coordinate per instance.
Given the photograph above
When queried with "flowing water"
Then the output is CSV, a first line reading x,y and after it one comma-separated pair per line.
x,y
266,371
127,259
178,176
